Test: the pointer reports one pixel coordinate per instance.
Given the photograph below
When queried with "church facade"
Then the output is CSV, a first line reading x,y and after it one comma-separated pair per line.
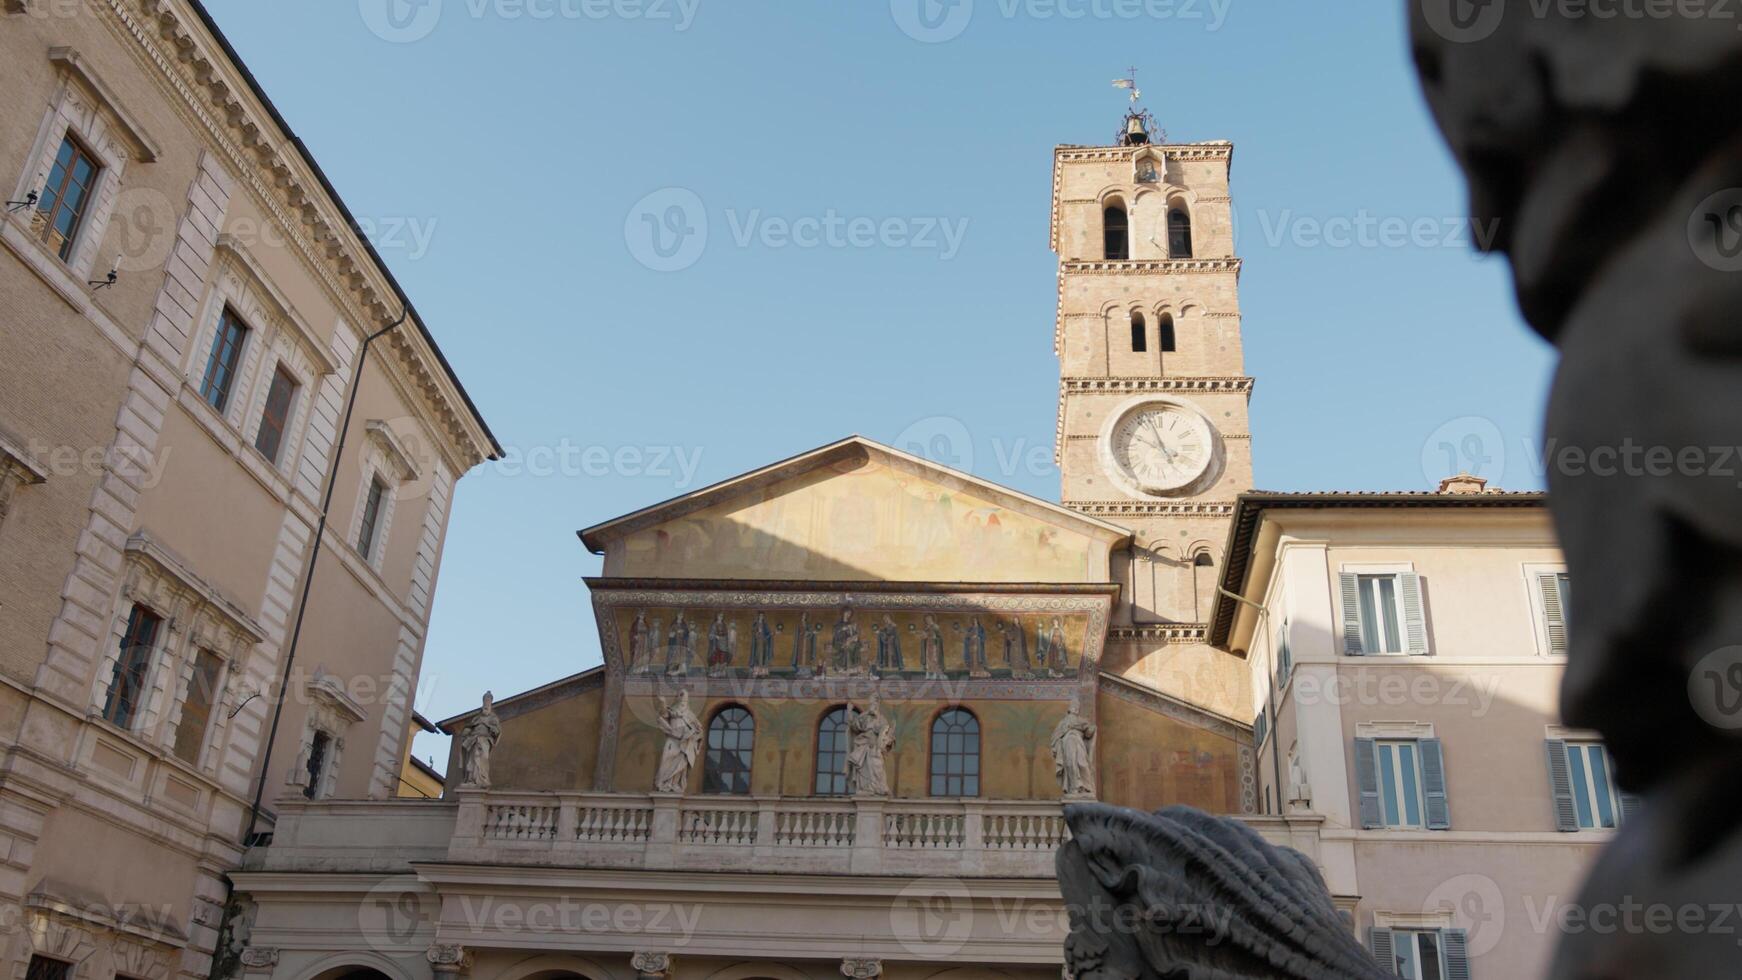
x,y
844,697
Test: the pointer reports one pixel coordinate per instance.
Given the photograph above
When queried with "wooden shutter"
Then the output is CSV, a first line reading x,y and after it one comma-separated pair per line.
x,y
1433,784
1560,784
1554,613
1456,943
1414,615
1631,806
1351,584
1367,781
1384,946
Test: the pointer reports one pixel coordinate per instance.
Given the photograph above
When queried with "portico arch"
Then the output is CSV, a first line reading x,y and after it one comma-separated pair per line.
x,y
758,971
361,965
558,966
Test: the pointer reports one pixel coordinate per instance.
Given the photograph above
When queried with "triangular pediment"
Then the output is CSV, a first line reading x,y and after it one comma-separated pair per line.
x,y
856,510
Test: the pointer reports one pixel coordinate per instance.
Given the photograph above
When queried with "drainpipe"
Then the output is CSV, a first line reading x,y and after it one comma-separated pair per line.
x,y
309,576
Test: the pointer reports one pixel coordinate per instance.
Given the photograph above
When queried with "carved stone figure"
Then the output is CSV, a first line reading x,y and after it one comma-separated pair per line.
x,y
847,646
720,645
1621,228
1179,893
761,646
640,644
974,648
888,645
683,739
680,646
1073,756
931,649
872,736
477,740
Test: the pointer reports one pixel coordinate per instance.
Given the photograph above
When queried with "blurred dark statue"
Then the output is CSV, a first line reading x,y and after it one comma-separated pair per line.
x,y
1181,895
1606,154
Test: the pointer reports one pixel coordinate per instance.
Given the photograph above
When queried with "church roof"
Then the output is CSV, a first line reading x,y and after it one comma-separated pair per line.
x,y
844,450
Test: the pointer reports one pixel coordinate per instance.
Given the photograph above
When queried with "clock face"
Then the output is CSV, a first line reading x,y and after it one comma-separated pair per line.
x,y
1161,448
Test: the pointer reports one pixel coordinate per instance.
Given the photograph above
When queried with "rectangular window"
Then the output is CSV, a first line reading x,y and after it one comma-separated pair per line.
x,y
1400,797
1418,955
276,414
371,517
127,685
196,711
221,364
1594,799
1380,614
1284,656
67,196
45,968
317,763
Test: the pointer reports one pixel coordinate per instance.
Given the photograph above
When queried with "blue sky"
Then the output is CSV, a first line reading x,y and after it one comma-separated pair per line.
x,y
508,155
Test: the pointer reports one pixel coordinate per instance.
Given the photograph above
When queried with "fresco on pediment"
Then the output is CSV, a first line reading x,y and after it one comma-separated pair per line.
x,y
867,521
825,641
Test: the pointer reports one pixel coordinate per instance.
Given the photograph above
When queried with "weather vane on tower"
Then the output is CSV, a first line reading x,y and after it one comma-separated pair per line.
x,y
1139,123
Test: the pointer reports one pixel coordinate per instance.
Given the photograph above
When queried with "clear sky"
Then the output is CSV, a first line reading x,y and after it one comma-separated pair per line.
x,y
526,165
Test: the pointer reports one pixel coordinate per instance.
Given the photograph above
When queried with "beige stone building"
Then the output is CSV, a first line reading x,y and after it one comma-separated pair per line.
x,y
184,309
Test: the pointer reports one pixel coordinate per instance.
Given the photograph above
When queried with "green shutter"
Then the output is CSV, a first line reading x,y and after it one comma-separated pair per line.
x,y
1414,615
1560,784
1384,947
1456,943
1433,784
1554,613
1351,614
1367,781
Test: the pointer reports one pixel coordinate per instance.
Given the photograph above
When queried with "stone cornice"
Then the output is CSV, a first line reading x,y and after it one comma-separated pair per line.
x,y
171,40
1206,383
1111,267
1153,508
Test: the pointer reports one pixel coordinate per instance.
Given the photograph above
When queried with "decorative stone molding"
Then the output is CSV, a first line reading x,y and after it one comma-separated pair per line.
x,y
70,62
1146,266
1079,385
449,959
862,969
259,959
17,468
650,966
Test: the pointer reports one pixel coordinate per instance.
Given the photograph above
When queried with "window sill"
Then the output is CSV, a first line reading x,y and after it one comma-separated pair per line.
x,y
230,438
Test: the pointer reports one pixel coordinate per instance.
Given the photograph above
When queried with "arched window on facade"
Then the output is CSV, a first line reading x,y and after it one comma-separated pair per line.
x,y
955,754
1139,333
1115,237
1179,233
831,775
1169,342
731,741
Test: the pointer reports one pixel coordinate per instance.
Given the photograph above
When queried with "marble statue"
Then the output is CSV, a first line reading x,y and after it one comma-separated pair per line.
x,y
761,646
847,645
1073,753
871,737
1592,166
680,646
931,649
640,644
477,740
888,645
1182,894
683,739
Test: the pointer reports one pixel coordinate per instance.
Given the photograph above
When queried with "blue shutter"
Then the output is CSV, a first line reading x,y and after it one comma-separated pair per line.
x,y
1367,781
1456,944
1433,784
1351,587
1414,614
1560,784
1260,726
1384,946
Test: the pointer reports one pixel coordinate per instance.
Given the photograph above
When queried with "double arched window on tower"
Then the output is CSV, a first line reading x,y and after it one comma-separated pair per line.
x,y
1169,342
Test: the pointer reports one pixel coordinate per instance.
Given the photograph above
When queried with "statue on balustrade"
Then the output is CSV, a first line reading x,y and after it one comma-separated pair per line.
x,y
888,645
872,736
683,739
1073,753
761,646
477,740
680,646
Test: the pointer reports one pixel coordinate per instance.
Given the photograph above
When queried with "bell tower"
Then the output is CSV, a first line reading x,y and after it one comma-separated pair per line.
x,y
1152,417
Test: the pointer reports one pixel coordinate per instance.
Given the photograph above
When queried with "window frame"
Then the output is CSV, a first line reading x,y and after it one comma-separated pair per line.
x,y
68,969
213,696
69,246
1394,639
280,372
717,781
1108,230
1413,786
842,737
319,764
1179,209
1139,333
1542,618
1413,939
1168,330
958,780
136,660
371,523
229,323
